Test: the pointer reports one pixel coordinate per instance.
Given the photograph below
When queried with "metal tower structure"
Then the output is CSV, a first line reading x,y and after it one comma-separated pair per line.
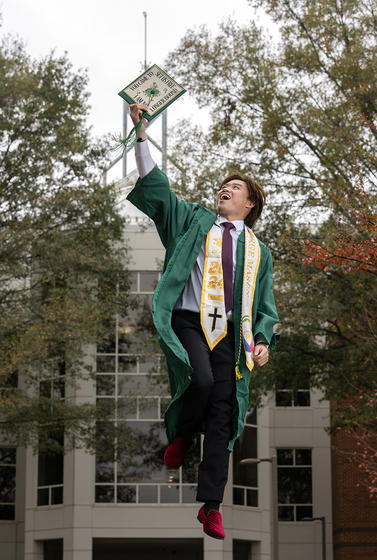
x,y
164,125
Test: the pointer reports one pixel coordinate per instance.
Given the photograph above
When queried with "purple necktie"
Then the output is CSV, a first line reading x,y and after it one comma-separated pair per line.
x,y
227,262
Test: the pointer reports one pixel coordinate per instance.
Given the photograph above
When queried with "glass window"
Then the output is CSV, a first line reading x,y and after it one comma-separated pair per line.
x,y
245,447
285,456
148,408
105,385
139,475
148,281
286,396
107,344
104,494
286,513
241,549
148,494
238,496
106,339
169,494
127,408
53,549
190,469
56,495
127,333
294,483
50,463
189,494
53,388
149,365
131,385
127,364
164,403
7,456
303,511
303,456
245,477
105,364
58,389
283,398
129,376
43,497
108,405
104,470
45,388
301,398
50,475
50,469
11,381
7,482
7,512
146,463
251,498
126,494
293,398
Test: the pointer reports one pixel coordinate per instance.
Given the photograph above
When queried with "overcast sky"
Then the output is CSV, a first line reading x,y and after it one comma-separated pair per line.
x,y
107,38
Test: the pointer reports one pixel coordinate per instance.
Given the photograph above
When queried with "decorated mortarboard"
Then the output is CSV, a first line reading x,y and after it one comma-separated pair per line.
x,y
153,88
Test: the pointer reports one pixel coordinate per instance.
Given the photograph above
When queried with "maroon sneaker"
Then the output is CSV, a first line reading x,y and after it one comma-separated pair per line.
x,y
176,452
212,523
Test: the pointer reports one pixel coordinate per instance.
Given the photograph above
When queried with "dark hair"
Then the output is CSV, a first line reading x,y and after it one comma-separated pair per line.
x,y
256,195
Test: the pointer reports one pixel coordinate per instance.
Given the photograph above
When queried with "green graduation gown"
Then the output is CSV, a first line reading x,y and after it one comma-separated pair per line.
x,y
182,226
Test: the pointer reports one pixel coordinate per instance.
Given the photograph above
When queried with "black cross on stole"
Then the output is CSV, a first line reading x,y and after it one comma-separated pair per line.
x,y
215,317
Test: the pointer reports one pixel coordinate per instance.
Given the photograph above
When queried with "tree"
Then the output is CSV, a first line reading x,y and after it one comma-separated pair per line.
x,y
299,113
352,253
61,249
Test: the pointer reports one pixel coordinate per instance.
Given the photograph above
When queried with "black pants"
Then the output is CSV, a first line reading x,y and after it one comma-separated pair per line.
x,y
208,400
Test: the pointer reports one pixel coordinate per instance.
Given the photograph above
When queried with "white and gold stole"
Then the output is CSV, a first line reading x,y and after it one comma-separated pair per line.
x,y
212,310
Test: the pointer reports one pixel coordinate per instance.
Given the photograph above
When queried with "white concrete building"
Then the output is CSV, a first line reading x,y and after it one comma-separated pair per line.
x,y
80,508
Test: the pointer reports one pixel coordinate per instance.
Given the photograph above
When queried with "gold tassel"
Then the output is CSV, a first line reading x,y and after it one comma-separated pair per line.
x,y
238,373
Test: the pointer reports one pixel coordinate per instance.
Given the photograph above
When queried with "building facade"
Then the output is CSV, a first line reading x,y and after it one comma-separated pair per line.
x,y
81,507
354,513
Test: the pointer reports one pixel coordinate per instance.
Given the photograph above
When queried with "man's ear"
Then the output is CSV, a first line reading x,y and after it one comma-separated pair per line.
x,y
250,204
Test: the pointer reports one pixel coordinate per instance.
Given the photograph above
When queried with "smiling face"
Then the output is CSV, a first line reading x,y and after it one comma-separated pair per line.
x,y
232,200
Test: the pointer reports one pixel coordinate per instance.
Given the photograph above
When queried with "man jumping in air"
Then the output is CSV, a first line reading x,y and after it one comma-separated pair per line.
x,y
214,312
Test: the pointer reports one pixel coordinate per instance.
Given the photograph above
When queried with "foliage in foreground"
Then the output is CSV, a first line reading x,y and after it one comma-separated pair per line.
x,y
61,249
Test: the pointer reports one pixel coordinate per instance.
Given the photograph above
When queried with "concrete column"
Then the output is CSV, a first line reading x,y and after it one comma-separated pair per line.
x,y
33,548
79,485
261,550
78,499
213,549
78,545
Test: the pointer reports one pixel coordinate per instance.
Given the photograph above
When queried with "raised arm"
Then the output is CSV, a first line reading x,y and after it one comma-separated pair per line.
x,y
152,193
144,160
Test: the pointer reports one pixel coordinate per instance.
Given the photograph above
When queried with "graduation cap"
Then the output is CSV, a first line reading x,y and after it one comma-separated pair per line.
x,y
153,88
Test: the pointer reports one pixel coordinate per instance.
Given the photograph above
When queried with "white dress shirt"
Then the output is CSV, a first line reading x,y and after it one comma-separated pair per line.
x,y
191,296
